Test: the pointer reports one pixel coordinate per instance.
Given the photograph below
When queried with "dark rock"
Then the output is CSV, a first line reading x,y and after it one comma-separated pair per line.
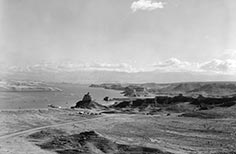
x,y
87,103
78,143
203,103
106,98
87,98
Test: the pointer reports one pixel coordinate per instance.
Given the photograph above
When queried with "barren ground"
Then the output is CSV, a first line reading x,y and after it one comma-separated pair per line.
x,y
26,131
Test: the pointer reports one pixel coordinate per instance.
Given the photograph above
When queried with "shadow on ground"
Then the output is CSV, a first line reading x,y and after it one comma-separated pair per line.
x,y
86,142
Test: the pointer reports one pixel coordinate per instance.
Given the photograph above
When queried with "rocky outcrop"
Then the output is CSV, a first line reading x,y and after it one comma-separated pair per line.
x,y
131,92
88,103
135,91
106,98
200,102
87,98
91,142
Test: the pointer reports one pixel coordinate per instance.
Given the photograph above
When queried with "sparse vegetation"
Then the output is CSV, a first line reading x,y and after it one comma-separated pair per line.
x,y
89,142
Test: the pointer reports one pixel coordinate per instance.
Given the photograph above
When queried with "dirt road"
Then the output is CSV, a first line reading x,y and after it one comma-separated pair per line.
x,y
49,126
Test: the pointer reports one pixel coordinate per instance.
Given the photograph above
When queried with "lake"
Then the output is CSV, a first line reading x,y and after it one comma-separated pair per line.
x,y
70,94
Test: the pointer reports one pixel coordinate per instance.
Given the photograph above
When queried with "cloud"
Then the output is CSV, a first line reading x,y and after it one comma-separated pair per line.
x,y
123,67
228,54
224,63
215,66
175,65
146,5
171,62
71,67
220,66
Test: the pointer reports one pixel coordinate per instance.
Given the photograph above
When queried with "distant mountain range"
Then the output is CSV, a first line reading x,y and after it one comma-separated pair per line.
x,y
182,82
104,76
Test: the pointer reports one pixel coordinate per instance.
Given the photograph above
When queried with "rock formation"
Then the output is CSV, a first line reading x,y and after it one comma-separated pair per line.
x,y
203,103
106,98
87,103
87,98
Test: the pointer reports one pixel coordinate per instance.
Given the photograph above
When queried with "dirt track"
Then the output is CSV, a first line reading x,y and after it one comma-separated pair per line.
x,y
44,127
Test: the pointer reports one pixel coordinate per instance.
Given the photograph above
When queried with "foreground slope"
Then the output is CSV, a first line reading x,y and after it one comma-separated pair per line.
x,y
174,133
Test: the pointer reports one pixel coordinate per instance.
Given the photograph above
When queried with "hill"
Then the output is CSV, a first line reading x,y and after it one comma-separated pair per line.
x,y
213,89
26,86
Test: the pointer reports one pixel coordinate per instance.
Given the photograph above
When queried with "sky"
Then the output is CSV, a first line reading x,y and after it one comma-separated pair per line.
x,y
121,35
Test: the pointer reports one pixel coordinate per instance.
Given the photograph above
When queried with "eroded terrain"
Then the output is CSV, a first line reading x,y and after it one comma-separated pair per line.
x,y
67,131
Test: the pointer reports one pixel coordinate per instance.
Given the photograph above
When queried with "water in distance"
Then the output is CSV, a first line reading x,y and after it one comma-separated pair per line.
x,y
69,95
